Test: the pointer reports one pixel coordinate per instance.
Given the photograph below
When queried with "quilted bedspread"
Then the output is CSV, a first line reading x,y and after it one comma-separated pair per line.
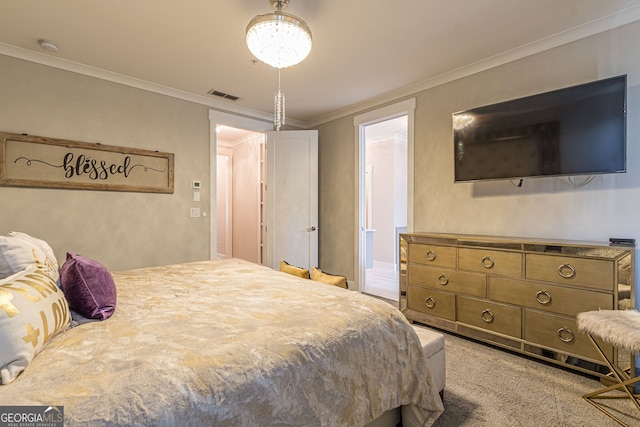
x,y
230,343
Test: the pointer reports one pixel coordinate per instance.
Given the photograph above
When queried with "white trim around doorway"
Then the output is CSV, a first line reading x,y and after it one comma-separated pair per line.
x,y
406,107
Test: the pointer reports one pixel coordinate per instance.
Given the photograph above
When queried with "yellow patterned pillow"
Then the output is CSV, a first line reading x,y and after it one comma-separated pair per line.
x,y
32,310
330,279
292,269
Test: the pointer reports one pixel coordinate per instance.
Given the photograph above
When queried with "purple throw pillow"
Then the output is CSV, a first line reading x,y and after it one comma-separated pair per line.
x,y
88,287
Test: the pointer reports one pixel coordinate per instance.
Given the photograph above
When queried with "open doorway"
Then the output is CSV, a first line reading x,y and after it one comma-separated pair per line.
x,y
232,179
220,122
239,201
384,198
385,157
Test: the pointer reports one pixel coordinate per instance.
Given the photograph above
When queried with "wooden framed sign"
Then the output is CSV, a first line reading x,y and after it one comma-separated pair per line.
x,y
35,161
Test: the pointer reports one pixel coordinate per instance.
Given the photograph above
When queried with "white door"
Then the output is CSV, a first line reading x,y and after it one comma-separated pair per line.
x,y
291,198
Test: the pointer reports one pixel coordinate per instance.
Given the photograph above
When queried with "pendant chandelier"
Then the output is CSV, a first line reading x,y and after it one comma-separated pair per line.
x,y
279,39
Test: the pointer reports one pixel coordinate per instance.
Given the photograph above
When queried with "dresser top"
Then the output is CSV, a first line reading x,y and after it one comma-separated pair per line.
x,y
526,244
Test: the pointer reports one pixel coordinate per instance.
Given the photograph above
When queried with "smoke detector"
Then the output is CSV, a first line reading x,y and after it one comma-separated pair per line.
x,y
48,45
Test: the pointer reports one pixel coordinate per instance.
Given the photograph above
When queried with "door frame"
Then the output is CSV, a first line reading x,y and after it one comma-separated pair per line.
x,y
228,153
217,118
406,107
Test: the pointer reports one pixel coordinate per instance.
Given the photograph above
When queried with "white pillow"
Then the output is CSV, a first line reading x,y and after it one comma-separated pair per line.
x,y
20,249
32,310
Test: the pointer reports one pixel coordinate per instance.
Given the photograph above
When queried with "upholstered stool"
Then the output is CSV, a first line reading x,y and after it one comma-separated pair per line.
x,y
433,347
620,328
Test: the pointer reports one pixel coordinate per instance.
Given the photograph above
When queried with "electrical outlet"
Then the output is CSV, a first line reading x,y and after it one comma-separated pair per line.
x,y
194,213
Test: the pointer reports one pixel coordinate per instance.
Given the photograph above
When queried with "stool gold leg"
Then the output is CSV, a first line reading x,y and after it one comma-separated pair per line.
x,y
624,382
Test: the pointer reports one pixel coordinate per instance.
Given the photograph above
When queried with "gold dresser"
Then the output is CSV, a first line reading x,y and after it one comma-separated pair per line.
x,y
516,293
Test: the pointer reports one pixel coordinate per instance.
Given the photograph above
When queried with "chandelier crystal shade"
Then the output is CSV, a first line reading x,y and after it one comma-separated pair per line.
x,y
279,39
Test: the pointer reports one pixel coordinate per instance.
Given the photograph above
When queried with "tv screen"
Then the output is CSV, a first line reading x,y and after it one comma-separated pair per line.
x,y
579,130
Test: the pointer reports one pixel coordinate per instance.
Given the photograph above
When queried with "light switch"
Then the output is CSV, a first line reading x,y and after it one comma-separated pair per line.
x,y
194,213
196,196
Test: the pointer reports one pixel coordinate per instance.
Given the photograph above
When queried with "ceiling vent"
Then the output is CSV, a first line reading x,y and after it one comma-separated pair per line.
x,y
223,95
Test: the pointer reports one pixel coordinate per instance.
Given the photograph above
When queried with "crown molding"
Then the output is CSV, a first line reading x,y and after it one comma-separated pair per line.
x,y
87,70
606,23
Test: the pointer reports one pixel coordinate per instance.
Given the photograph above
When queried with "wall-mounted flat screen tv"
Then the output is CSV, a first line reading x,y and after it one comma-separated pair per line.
x,y
579,130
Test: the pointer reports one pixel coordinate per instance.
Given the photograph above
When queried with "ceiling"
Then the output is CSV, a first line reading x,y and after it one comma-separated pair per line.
x,y
364,51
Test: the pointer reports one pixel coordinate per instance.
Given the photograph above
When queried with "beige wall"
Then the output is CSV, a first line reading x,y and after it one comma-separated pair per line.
x,y
544,207
121,230
337,192
126,230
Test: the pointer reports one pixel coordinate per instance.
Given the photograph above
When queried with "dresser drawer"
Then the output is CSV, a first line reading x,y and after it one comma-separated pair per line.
x,y
435,303
543,296
448,280
560,333
491,262
441,256
499,318
590,273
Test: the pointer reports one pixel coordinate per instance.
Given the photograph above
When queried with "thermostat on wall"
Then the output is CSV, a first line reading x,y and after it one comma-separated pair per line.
x,y
195,184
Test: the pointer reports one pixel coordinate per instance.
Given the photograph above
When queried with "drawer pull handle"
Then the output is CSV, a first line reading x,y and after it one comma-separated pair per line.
x,y
487,316
431,255
443,279
543,297
565,335
564,267
487,262
430,302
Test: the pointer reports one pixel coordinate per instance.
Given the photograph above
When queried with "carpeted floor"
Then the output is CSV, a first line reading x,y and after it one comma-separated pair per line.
x,y
487,386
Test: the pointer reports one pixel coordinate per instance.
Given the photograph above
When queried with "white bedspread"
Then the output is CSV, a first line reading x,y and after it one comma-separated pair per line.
x,y
230,343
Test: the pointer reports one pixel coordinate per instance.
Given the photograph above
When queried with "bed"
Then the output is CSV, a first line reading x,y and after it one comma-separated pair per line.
x,y
231,343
